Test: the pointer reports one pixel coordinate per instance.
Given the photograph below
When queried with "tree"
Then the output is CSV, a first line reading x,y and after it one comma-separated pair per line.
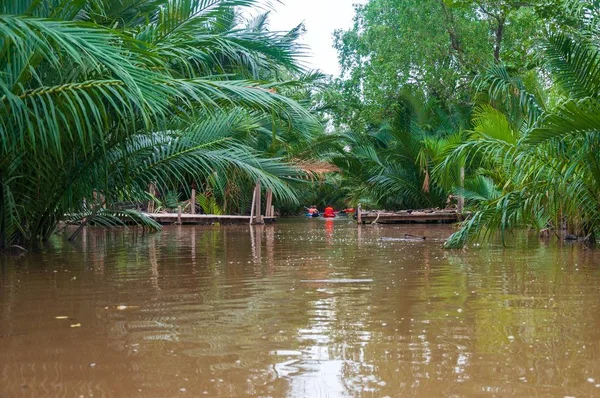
x,y
101,98
543,169
434,46
391,165
475,68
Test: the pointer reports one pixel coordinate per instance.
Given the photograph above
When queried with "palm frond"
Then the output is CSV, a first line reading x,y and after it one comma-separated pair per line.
x,y
575,65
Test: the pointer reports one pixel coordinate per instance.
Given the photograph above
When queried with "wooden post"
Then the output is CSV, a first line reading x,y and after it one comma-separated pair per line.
x,y
461,198
258,210
359,214
252,206
269,204
273,211
179,214
152,191
193,202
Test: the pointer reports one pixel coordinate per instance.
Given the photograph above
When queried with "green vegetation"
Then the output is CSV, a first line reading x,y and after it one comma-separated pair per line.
x,y
539,159
506,89
103,99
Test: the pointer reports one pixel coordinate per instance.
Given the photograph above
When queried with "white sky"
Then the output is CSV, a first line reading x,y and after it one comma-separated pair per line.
x,y
321,18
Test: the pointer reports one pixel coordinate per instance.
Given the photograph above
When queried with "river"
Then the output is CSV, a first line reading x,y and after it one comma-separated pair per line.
x,y
305,308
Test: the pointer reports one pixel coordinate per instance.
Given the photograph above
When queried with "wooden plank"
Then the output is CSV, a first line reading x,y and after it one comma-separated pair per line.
x,y
258,210
252,206
173,218
408,217
185,216
152,191
269,203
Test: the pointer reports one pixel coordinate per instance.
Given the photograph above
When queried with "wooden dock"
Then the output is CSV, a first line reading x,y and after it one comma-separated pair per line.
x,y
173,218
411,216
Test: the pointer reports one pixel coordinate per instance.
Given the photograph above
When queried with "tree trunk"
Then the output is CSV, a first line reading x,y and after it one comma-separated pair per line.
x,y
499,37
461,198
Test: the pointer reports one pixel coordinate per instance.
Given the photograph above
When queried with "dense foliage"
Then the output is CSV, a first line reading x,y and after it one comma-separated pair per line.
x,y
109,104
434,47
100,99
506,90
540,163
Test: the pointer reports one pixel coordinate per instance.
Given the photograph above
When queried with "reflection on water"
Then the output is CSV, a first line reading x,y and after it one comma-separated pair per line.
x,y
301,309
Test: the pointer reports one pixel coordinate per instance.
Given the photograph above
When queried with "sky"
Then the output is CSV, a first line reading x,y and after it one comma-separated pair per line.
x,y
321,18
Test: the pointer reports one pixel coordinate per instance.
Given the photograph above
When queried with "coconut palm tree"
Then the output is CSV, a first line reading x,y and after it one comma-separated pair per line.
x,y
540,155
98,99
391,165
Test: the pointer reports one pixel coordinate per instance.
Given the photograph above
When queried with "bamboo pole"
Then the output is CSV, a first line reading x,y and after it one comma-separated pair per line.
x,y
359,214
179,214
193,202
272,211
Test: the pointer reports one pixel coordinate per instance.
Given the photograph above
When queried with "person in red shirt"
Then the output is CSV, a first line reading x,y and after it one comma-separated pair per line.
x,y
329,212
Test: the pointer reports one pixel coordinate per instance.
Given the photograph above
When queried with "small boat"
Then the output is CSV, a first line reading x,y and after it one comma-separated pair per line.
x,y
312,214
329,215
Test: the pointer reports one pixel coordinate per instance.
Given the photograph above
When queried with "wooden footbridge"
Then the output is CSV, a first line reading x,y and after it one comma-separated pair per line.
x,y
255,217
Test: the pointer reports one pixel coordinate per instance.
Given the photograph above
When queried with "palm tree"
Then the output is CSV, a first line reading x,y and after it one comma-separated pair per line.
x,y
391,165
539,156
101,98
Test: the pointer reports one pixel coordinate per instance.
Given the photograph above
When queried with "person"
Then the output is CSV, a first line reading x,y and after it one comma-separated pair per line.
x,y
312,210
329,212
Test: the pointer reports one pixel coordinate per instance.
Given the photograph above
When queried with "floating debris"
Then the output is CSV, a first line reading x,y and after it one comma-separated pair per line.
x,y
407,238
286,353
76,325
126,307
61,317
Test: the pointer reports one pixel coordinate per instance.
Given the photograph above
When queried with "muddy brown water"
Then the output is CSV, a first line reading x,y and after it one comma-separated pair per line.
x,y
307,308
